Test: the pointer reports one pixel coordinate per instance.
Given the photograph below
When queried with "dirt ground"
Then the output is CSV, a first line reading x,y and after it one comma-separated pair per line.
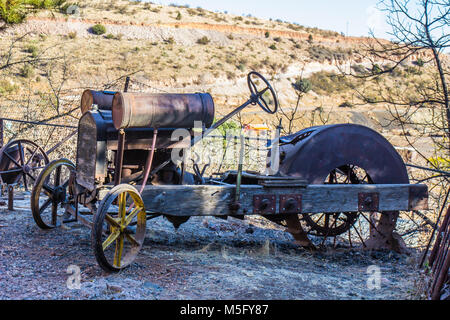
x,y
206,258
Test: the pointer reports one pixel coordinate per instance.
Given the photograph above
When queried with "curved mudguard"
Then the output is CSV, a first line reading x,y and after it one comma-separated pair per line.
x,y
312,153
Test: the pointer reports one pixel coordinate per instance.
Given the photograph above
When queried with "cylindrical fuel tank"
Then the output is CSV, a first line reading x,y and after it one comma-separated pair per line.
x,y
145,110
103,99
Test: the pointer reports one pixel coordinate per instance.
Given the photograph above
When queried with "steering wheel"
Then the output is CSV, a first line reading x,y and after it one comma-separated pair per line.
x,y
257,95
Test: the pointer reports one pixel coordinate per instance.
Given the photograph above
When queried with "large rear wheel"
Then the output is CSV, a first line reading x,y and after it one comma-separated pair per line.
x,y
356,228
337,223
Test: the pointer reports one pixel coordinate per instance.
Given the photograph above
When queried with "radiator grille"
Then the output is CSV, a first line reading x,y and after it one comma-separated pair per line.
x,y
86,152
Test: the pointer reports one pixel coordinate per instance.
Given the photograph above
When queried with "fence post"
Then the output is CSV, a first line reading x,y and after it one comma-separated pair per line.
x,y
10,197
1,132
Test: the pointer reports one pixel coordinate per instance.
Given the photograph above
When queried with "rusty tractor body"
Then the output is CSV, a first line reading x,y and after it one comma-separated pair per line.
x,y
329,176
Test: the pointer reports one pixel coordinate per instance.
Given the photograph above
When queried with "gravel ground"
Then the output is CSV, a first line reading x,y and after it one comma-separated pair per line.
x,y
206,258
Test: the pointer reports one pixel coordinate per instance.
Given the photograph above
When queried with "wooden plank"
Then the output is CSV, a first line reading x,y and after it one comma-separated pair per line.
x,y
183,200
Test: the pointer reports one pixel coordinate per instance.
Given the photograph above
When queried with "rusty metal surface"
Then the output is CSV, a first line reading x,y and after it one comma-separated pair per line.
x,y
264,203
368,201
97,136
103,100
140,110
329,147
291,203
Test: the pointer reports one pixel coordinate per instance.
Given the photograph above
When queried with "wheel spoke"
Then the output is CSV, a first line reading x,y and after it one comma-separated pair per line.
x,y
45,205
320,218
54,212
22,156
260,94
25,182
254,87
131,216
112,237
371,223
58,176
122,207
113,222
32,155
359,235
49,191
119,250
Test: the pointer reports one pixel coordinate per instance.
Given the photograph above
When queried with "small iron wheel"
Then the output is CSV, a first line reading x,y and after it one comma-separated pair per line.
x,y
22,160
119,225
337,223
50,191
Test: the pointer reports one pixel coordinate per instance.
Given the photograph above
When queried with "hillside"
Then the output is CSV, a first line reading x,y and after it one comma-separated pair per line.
x,y
180,49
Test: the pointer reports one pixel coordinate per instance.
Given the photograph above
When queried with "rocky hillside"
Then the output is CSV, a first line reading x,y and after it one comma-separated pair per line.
x,y
53,56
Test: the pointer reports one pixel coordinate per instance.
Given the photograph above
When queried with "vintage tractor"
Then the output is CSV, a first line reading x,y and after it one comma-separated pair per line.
x,y
329,177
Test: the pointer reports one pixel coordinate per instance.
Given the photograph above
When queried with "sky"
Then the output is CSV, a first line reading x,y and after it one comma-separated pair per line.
x,y
351,17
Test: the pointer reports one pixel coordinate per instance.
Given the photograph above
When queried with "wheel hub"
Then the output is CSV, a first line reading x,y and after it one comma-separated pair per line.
x,y
60,194
26,168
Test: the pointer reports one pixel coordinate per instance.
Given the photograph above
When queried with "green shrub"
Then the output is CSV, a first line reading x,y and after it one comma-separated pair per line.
x,y
12,11
241,67
267,34
98,29
277,39
15,11
273,47
302,85
203,40
72,35
32,49
324,82
345,104
310,38
179,17
420,62
44,4
376,69
27,71
7,87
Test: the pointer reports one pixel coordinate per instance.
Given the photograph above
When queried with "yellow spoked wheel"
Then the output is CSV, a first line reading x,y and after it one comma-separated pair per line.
x,y
118,231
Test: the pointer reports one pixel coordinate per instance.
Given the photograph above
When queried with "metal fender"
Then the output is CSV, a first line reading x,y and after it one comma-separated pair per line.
x,y
313,152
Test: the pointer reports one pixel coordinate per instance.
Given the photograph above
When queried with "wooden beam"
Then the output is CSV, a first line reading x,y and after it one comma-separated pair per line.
x,y
207,200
